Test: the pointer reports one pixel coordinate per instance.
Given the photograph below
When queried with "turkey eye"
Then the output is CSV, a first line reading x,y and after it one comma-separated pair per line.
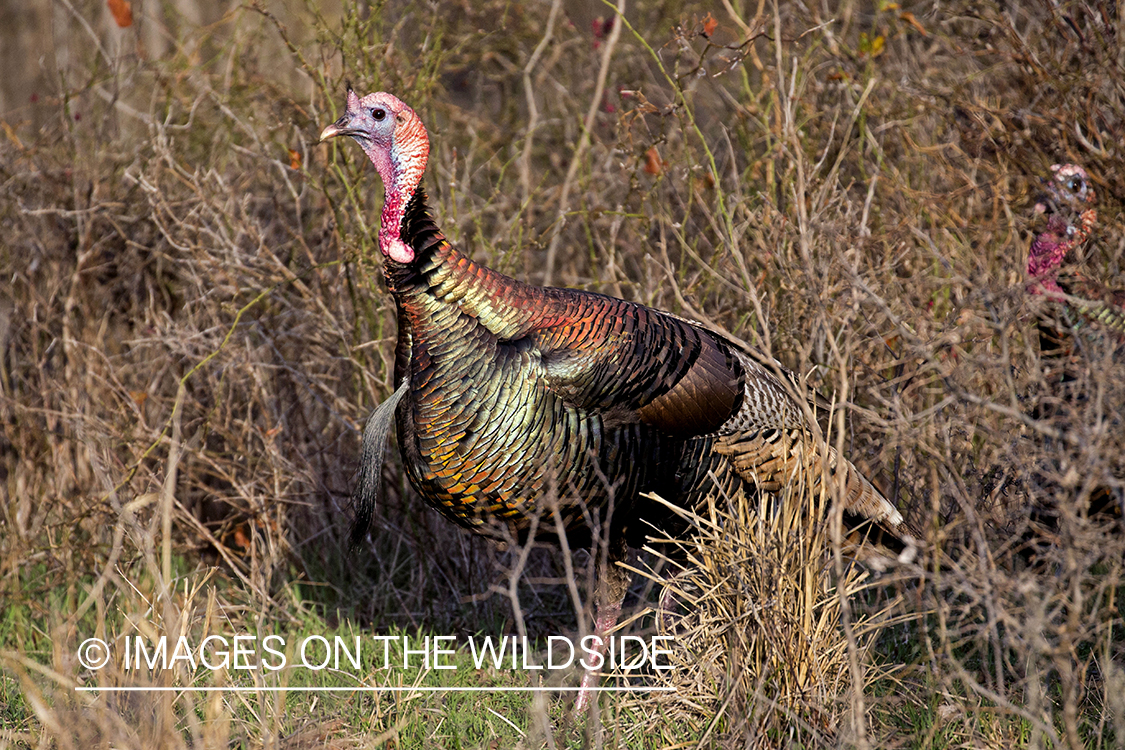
x,y
378,114
1075,184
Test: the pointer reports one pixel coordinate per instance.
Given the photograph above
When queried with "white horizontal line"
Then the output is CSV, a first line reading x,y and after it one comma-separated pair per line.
x,y
372,689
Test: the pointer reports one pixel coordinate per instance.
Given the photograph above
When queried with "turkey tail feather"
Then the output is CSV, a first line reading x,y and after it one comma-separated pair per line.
x,y
773,459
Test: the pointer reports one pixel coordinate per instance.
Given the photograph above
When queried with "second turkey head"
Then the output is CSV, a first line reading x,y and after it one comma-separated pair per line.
x,y
395,140
1068,203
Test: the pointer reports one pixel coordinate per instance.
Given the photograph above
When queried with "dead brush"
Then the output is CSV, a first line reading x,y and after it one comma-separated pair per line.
x,y
768,649
874,166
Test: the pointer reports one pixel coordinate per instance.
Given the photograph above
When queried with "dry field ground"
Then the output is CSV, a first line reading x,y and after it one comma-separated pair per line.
x,y
193,328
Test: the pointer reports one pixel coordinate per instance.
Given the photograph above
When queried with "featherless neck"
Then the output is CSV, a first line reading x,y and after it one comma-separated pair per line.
x,y
401,168
1051,247
416,231
1048,250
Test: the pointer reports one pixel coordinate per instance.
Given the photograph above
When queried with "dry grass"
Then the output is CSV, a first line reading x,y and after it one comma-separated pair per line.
x,y
845,186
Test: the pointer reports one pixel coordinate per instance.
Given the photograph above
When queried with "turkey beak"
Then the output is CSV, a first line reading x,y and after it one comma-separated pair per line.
x,y
1045,204
340,127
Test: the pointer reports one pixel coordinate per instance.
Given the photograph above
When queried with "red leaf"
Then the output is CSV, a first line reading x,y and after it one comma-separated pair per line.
x,y
294,159
709,25
122,12
653,163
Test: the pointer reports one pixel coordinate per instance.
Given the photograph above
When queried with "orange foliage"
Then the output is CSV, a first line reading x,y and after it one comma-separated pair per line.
x,y
122,12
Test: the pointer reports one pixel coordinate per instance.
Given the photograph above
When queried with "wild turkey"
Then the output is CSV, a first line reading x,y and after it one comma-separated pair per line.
x,y
1083,312
1068,203
516,398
